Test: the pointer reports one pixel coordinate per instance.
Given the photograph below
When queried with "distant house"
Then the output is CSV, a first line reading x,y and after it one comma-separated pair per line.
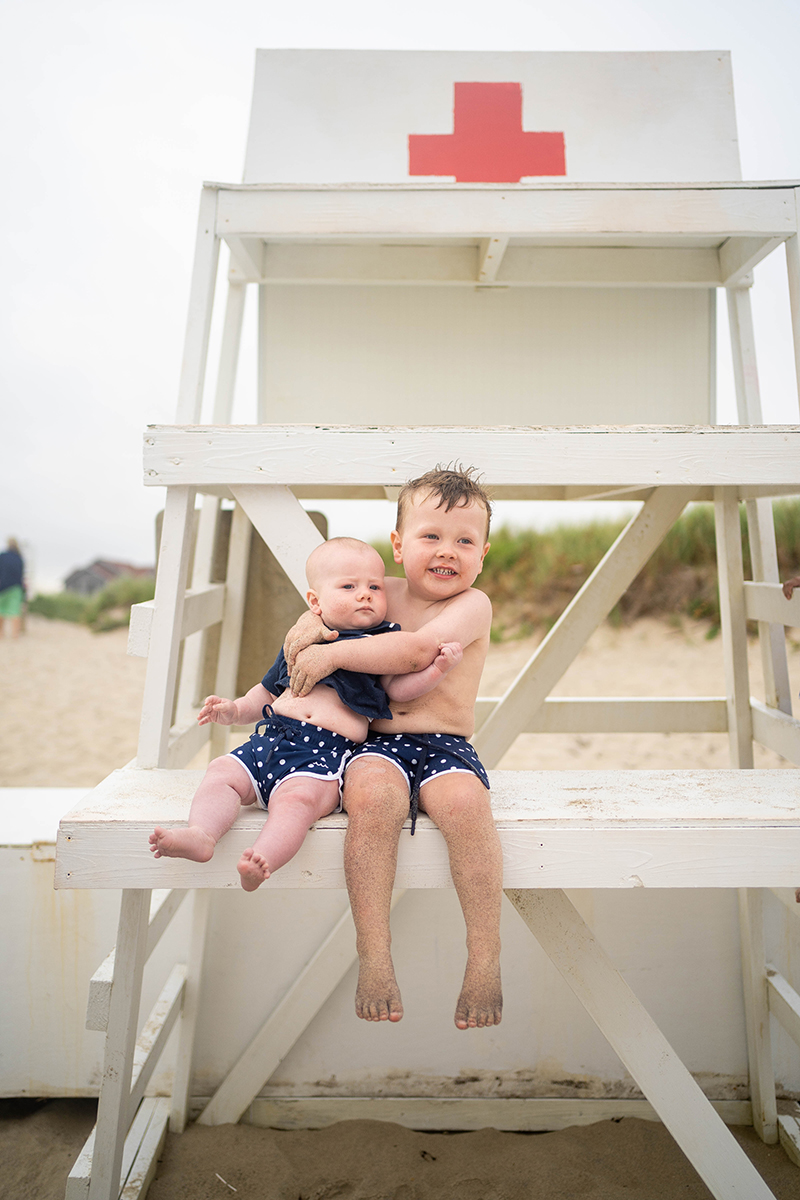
x,y
87,580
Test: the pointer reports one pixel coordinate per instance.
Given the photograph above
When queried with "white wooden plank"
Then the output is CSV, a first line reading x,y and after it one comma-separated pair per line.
x,y
202,608
549,211
311,989
766,602
702,456
738,256
145,1164
620,714
201,908
771,636
789,1133
491,252
588,609
291,262
776,731
79,1176
153,1036
570,829
162,664
606,266
652,1062
112,1110
756,1009
284,525
192,656
534,1115
734,630
784,1003
233,618
201,300
793,273
229,353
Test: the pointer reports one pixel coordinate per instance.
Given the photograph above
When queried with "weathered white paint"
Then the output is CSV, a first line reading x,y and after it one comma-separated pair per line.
x,y
669,1087
619,714
558,829
201,301
346,114
734,632
525,457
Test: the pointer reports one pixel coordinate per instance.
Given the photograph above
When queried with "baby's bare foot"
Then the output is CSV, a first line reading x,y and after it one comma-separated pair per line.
x,y
377,994
253,869
481,1001
192,843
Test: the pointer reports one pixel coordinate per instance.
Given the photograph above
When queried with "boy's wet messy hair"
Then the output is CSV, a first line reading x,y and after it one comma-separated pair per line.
x,y
454,485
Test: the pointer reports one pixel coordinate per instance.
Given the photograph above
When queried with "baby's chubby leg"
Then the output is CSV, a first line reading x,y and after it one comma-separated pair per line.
x,y
224,788
294,805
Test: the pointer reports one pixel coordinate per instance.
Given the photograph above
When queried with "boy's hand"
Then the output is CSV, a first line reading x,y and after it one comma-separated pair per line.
x,y
449,656
790,585
311,665
219,710
309,630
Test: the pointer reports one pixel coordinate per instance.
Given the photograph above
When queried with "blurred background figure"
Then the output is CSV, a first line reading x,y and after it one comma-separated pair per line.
x,y
12,588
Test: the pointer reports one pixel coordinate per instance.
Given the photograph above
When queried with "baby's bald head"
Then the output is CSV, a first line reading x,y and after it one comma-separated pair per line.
x,y
335,556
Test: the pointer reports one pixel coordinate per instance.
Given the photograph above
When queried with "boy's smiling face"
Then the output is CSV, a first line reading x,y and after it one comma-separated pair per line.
x,y
442,552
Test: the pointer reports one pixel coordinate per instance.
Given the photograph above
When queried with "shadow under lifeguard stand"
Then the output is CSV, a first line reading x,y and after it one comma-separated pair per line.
x,y
407,321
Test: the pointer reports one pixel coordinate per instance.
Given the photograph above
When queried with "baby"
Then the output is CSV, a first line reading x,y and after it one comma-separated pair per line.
x,y
294,762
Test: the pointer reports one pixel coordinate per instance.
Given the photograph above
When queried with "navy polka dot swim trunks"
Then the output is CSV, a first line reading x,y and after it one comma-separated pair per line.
x,y
423,757
283,746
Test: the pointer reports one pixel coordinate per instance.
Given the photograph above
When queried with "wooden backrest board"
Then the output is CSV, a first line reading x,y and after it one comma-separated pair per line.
x,y
449,353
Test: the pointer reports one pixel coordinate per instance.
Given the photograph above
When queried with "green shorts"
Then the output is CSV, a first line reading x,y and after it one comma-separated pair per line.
x,y
11,601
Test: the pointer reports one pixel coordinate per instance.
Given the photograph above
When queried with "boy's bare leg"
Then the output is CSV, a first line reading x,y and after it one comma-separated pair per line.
x,y
294,806
223,789
459,804
376,799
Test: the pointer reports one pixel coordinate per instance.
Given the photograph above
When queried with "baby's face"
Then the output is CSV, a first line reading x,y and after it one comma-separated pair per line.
x,y
353,594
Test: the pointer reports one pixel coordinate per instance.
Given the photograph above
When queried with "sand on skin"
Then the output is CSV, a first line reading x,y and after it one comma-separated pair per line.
x,y
69,714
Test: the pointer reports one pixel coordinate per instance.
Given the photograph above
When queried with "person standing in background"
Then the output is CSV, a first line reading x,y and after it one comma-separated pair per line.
x,y
12,588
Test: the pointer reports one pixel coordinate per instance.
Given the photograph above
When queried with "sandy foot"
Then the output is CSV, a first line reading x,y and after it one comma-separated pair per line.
x,y
377,995
481,1001
192,843
253,869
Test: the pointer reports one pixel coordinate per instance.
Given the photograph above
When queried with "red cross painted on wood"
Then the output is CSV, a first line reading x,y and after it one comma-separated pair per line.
x,y
488,143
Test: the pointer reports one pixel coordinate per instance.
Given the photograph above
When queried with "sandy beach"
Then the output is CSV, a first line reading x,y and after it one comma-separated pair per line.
x,y
69,712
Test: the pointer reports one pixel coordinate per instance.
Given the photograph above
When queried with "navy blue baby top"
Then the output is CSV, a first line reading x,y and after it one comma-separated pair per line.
x,y
360,692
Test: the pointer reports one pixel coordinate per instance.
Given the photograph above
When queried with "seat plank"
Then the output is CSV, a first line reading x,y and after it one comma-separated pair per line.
x,y
560,829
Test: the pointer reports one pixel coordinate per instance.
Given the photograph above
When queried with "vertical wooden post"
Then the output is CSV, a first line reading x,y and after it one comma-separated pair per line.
x,y
162,661
231,635
793,271
113,1116
201,304
760,522
193,647
756,1011
181,1094
734,630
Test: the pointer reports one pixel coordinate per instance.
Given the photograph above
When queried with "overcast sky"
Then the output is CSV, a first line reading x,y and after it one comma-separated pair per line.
x,y
115,112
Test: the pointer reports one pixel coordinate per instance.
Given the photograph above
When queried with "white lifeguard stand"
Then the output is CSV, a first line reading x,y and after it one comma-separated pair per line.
x,y
496,316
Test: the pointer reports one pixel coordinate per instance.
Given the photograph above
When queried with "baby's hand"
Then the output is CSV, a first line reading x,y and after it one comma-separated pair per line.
x,y
449,656
219,710
790,585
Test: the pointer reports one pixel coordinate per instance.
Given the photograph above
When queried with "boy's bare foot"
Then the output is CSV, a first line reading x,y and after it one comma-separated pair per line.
x,y
377,994
253,869
192,843
481,1001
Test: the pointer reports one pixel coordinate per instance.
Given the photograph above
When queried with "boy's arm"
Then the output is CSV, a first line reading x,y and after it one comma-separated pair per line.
x,y
308,630
243,711
419,683
466,618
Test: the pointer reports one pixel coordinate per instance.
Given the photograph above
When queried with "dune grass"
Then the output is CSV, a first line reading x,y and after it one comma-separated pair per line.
x,y
109,608
530,576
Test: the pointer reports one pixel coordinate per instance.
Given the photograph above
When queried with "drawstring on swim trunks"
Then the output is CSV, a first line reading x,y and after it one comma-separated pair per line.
x,y
270,718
